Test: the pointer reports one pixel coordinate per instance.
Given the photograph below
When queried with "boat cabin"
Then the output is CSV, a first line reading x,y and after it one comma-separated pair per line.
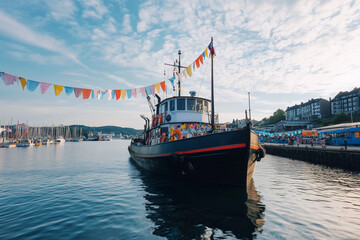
x,y
180,117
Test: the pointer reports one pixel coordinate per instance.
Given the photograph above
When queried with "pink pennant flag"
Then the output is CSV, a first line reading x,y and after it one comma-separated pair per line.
x,y
133,92
44,87
152,87
77,92
143,91
8,79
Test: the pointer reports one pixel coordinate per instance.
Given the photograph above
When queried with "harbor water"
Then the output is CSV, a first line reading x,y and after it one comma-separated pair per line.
x,y
91,190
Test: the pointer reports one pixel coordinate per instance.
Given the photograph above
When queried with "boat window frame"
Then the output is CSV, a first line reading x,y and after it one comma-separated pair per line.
x,y
206,110
174,105
188,100
177,104
201,109
164,107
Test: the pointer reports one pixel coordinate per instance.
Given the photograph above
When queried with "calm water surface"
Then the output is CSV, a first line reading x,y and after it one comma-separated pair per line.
x,y
91,190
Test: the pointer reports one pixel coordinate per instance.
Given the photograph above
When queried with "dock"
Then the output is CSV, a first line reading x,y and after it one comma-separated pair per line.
x,y
336,156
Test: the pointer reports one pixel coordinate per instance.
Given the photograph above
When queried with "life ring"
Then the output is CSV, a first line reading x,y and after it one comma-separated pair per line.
x,y
176,135
163,138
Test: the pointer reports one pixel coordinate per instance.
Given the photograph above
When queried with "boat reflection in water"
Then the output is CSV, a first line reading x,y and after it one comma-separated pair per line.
x,y
189,210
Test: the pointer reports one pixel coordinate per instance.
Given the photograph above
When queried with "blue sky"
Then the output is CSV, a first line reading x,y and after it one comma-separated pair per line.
x,y
283,52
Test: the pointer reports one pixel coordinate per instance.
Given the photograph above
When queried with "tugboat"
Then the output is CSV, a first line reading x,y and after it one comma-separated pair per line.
x,y
184,141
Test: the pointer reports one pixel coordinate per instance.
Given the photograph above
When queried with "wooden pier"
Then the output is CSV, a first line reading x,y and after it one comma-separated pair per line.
x,y
330,155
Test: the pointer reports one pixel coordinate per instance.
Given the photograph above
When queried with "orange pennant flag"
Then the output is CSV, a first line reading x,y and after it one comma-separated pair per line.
x,y
58,89
117,94
197,62
123,94
86,93
23,83
163,86
157,86
201,59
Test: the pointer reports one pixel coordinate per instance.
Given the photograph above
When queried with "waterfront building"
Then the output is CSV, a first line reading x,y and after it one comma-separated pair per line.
x,y
312,109
346,102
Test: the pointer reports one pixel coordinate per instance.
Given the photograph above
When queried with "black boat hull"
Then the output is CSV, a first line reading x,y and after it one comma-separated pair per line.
x,y
224,158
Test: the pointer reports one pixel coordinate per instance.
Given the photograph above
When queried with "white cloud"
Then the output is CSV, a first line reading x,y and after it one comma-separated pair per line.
x,y
60,10
126,24
98,34
148,15
120,80
15,30
94,9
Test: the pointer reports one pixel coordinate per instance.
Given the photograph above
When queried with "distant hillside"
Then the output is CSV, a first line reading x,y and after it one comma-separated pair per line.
x,y
107,129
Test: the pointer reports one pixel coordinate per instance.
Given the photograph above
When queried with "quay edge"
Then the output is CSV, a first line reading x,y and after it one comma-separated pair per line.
x,y
347,159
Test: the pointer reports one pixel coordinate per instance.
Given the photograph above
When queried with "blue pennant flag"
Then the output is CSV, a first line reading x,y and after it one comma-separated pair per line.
x,y
148,90
172,80
128,91
69,90
32,85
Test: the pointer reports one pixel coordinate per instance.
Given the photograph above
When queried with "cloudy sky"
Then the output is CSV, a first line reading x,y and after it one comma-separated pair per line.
x,y
283,52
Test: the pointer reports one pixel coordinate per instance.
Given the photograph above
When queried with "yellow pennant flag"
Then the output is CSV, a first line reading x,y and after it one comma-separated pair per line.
x,y
206,52
23,83
188,70
58,89
123,94
157,86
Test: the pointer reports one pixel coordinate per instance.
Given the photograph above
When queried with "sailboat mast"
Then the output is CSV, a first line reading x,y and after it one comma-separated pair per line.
x,y
179,66
212,90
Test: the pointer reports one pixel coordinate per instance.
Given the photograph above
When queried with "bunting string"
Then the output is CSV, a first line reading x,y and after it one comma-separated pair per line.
x,y
189,71
32,85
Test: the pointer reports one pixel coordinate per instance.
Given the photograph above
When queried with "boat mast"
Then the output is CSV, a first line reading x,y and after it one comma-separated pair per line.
x,y
179,66
212,89
179,69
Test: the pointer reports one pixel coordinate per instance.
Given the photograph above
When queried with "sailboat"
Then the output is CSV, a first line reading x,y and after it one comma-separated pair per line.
x,y
183,141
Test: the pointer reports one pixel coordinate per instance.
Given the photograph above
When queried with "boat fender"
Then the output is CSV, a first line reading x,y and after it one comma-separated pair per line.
x,y
168,118
155,120
187,168
161,119
260,153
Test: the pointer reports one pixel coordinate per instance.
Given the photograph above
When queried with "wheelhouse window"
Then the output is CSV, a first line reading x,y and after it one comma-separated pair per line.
x,y
191,104
199,105
206,106
180,104
172,105
164,107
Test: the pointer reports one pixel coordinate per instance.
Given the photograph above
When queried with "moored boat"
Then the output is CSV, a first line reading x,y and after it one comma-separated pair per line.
x,y
184,141
25,143
60,140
